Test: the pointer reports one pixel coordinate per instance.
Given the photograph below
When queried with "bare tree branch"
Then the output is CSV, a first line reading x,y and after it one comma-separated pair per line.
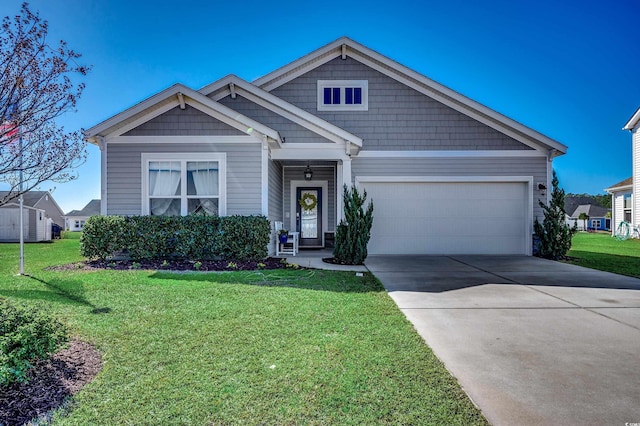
x,y
36,87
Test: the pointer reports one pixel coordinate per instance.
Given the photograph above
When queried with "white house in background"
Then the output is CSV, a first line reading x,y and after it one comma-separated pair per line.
x,y
75,219
626,194
40,210
447,175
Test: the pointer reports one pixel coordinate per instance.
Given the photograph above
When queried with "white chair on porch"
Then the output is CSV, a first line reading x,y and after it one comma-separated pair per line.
x,y
289,248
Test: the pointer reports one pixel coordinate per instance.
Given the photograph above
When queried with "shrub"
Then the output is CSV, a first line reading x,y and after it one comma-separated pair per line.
x,y
244,237
102,236
554,233
179,237
27,333
354,231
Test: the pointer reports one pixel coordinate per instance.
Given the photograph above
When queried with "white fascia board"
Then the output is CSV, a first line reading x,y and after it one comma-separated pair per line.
x,y
131,112
227,115
450,154
282,108
460,103
415,80
633,121
193,98
308,152
218,84
235,139
299,116
129,124
615,189
317,57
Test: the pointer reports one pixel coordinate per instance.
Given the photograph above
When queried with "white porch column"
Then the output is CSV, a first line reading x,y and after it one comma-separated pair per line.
x,y
344,178
102,143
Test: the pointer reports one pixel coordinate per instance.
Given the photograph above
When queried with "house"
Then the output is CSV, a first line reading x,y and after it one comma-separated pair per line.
x,y
597,218
625,195
40,210
621,202
447,175
75,219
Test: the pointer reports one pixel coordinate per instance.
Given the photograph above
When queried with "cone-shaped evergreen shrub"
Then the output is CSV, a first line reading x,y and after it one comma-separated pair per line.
x,y
554,233
354,231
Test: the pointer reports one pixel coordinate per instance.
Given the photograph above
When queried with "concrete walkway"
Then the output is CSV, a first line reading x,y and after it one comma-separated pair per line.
x,y
533,342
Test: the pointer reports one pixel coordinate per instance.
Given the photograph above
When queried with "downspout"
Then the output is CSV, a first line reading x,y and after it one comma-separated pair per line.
x,y
102,144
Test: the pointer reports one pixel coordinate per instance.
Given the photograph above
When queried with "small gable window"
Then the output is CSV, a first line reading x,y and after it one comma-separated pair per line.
x,y
343,95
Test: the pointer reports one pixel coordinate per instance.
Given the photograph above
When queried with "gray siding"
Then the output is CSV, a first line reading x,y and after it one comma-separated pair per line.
x,y
275,191
32,235
187,122
319,173
535,167
51,210
291,131
399,118
124,175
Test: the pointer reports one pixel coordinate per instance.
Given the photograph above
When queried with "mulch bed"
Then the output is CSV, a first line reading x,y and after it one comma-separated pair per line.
x,y
175,265
50,383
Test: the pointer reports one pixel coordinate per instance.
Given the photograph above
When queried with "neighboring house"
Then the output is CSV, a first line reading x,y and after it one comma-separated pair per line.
x,y
597,218
626,194
621,203
75,219
40,210
447,175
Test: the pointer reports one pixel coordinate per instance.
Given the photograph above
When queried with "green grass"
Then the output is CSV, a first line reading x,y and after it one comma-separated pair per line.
x,y
268,347
70,235
603,252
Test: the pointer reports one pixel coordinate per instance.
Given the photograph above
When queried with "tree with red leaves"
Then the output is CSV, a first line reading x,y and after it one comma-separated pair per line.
x,y
37,85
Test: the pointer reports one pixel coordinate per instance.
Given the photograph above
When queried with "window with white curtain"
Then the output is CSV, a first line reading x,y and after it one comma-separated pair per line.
x,y
181,184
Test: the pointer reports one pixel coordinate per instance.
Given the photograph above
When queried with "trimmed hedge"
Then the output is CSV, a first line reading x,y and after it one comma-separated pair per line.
x,y
27,333
176,237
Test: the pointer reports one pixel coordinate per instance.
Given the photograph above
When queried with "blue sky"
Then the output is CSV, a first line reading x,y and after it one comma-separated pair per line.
x,y
569,71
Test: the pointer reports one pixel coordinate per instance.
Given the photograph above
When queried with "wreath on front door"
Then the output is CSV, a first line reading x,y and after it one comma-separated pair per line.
x,y
308,201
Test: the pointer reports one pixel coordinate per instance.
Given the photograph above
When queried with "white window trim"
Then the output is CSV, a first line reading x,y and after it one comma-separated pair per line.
x,y
342,84
220,157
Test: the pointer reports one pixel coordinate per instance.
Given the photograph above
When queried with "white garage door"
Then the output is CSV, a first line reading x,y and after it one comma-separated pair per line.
x,y
449,218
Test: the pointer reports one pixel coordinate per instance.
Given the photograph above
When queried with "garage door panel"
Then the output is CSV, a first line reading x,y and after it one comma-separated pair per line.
x,y
449,218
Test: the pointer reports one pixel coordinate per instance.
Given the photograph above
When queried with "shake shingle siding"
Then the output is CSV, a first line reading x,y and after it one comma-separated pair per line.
x,y
187,122
399,117
124,175
291,131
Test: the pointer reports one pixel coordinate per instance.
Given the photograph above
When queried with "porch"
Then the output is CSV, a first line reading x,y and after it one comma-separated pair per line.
x,y
311,201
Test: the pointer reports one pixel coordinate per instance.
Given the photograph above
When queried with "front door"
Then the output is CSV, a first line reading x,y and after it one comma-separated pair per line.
x,y
309,216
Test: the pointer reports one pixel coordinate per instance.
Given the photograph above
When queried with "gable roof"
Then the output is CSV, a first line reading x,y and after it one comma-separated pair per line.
x,y
571,202
233,85
344,46
621,186
591,210
633,121
91,209
29,199
177,95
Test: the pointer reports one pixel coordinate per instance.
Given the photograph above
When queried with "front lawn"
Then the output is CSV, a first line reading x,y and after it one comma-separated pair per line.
x,y
264,347
603,252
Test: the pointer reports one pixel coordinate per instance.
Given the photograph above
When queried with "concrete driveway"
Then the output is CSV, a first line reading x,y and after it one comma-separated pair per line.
x,y
531,341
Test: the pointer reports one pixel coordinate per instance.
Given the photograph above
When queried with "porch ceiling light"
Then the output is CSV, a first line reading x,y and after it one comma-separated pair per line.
x,y
308,174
